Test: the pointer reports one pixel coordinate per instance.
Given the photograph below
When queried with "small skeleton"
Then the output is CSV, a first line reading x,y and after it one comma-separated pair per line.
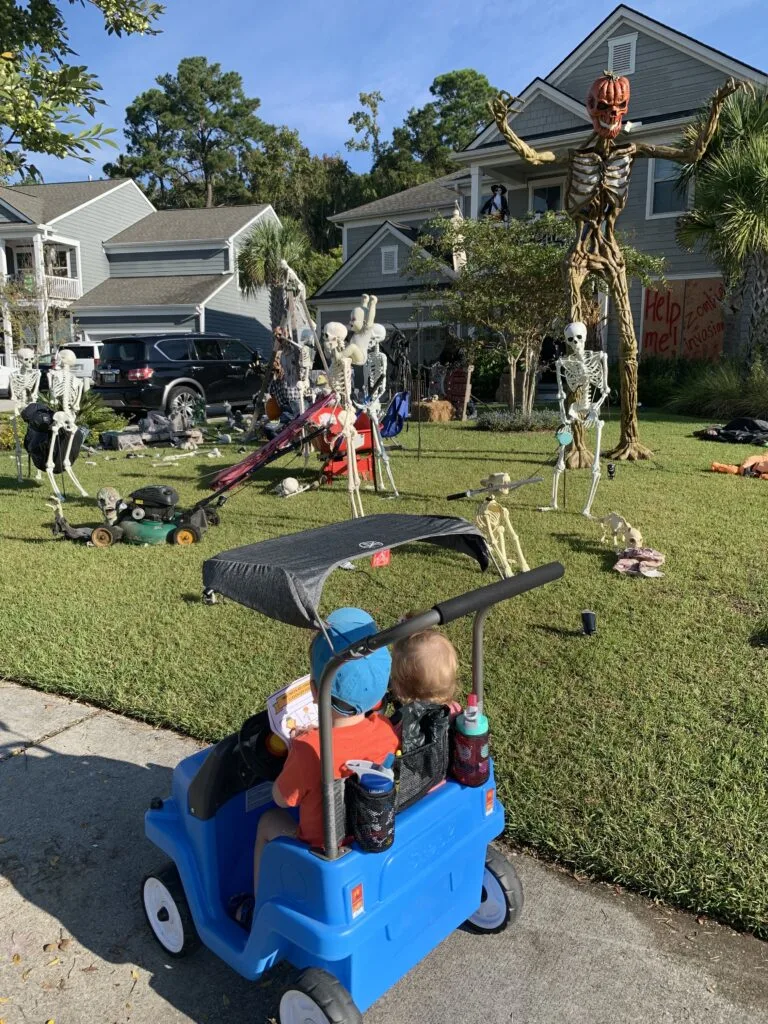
x,y
376,385
25,385
341,360
585,375
66,391
623,535
494,523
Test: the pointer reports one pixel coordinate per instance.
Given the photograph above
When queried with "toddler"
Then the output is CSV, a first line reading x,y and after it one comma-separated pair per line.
x,y
424,674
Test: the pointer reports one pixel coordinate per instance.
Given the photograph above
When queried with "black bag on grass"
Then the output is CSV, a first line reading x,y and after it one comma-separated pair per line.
x,y
39,420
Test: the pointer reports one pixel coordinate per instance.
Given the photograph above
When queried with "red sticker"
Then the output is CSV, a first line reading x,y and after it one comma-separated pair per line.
x,y
489,799
381,558
356,899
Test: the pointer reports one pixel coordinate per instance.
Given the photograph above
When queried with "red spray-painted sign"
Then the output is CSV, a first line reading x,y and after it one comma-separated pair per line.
x,y
684,321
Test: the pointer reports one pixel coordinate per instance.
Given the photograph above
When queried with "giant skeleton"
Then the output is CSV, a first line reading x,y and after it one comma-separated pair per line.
x,y
25,385
596,188
65,391
585,375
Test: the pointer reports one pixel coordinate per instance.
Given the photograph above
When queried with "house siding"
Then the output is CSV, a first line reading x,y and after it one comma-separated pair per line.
x,y
135,324
153,263
231,312
543,115
367,275
665,79
357,236
99,221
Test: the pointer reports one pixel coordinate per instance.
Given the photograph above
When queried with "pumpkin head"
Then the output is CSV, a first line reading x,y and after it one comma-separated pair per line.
x,y
607,104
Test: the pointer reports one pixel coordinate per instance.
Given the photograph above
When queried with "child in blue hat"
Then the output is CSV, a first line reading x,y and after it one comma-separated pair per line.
x,y
357,688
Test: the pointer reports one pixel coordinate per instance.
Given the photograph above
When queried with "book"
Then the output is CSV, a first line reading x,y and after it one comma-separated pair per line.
x,y
292,709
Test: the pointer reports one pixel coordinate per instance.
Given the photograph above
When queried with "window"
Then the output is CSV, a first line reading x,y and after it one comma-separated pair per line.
x,y
25,259
207,349
389,259
621,54
174,348
665,198
236,351
545,196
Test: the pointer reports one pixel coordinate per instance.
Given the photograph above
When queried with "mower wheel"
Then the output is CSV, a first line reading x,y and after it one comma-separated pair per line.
x,y
168,913
102,537
186,534
318,998
502,898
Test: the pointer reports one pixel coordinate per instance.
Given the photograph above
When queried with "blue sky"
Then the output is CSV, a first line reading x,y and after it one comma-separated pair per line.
x,y
308,59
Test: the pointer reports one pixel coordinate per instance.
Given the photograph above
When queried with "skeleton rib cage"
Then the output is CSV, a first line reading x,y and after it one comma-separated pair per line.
x,y
598,183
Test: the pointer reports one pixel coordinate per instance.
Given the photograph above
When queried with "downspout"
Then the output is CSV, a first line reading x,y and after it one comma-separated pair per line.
x,y
200,312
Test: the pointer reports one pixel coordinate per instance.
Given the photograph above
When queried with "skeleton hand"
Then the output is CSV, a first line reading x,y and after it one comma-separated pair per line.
x,y
502,105
731,86
592,416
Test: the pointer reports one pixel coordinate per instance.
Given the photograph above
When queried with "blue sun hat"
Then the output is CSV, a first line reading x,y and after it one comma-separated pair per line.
x,y
359,684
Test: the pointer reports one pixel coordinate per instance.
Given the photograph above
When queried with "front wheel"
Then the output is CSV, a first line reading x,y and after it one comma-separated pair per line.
x,y
186,534
168,913
182,400
318,998
502,898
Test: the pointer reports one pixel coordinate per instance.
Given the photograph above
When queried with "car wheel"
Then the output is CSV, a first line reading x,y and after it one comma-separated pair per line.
x,y
318,998
168,913
182,399
502,899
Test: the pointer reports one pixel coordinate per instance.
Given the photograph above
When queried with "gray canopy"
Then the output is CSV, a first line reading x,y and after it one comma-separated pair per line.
x,y
284,577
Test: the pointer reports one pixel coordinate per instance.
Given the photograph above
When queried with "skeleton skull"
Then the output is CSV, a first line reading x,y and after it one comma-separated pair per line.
x,y
334,336
378,334
607,104
66,359
288,486
26,357
576,337
307,338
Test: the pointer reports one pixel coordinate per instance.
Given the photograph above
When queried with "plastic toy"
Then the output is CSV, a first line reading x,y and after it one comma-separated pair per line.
x,y
353,922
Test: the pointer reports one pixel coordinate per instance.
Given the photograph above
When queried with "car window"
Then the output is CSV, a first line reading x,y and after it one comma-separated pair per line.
x,y
126,351
231,349
175,348
82,351
207,348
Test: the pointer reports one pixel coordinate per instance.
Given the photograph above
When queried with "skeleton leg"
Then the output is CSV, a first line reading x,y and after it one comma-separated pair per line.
x,y
577,275
524,567
488,521
381,456
49,464
353,476
68,464
587,511
17,445
559,470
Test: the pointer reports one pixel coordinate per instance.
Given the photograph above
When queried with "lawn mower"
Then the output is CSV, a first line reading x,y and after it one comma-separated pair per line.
x,y
353,922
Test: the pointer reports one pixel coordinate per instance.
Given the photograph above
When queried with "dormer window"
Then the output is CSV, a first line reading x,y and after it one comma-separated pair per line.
x,y
621,54
389,259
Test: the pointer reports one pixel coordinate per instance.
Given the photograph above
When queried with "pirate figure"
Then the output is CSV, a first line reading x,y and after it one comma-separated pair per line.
x,y
497,207
596,189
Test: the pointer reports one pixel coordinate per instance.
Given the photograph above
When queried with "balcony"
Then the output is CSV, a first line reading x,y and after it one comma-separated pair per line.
x,y
66,288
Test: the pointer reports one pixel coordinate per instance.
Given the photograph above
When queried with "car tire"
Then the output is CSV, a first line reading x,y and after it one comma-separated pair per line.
x,y
182,398
318,998
167,912
502,899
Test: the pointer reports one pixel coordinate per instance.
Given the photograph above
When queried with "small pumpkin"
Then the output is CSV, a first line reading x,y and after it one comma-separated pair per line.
x,y
608,103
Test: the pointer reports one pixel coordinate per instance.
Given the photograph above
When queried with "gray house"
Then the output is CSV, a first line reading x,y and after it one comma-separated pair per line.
x,y
670,75
99,250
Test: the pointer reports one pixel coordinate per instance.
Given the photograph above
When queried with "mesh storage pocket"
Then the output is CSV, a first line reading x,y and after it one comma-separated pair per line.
x,y
424,767
370,816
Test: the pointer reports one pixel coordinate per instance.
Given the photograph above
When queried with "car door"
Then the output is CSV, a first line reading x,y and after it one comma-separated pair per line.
x,y
209,369
241,380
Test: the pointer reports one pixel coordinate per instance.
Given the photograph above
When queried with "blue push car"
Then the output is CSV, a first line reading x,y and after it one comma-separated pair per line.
x,y
353,922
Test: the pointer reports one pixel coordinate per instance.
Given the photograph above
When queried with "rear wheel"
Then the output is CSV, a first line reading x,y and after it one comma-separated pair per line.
x,y
182,399
167,912
187,534
318,998
102,537
502,898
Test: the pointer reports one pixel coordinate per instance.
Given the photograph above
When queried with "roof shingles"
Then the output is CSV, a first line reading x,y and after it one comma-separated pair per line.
x,y
43,203
182,290
430,195
217,223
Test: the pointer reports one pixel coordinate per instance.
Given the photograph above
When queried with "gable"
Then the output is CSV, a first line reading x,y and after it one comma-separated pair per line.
x,y
540,116
9,215
665,80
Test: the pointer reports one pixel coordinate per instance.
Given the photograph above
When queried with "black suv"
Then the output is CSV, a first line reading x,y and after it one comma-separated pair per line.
x,y
171,372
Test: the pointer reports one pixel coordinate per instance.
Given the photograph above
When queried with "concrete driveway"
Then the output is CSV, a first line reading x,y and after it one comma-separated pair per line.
x,y
74,947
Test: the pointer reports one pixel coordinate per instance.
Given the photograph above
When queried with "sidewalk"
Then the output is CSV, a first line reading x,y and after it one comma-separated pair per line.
x,y
74,947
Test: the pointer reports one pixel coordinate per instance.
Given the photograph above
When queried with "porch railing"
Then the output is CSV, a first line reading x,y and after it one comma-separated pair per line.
x,y
63,287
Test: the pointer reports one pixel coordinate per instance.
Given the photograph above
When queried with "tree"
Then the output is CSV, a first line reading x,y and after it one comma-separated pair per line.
x,y
729,218
366,125
510,292
43,95
189,137
259,261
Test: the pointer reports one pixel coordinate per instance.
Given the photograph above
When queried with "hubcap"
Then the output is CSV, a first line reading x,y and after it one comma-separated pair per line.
x,y
493,906
184,403
298,1008
163,915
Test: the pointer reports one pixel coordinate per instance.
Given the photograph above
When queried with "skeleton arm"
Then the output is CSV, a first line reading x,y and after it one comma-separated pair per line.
x,y
369,305
695,151
501,107
561,395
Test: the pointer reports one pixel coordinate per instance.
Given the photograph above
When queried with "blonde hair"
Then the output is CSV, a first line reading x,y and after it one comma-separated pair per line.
x,y
424,667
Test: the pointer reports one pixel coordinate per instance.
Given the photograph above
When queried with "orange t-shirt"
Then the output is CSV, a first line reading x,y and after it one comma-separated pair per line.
x,y
299,781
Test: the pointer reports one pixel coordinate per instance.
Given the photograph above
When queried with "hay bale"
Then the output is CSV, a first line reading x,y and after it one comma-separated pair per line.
x,y
437,411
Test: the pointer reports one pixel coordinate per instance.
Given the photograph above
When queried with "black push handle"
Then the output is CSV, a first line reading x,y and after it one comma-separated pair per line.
x,y
459,494
484,597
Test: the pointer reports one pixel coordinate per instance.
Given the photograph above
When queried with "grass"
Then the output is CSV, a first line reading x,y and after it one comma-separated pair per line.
x,y
639,754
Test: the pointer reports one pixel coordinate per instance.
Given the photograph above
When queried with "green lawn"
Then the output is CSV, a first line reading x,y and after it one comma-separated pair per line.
x,y
639,754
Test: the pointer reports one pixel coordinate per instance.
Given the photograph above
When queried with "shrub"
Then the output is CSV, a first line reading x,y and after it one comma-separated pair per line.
x,y
659,379
7,442
722,391
513,422
489,366
93,414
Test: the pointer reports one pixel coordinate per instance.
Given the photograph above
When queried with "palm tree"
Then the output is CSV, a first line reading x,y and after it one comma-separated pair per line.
x,y
729,218
259,261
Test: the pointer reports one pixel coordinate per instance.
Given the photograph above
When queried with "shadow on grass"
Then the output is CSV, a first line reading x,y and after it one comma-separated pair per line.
x,y
565,634
760,636
589,546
